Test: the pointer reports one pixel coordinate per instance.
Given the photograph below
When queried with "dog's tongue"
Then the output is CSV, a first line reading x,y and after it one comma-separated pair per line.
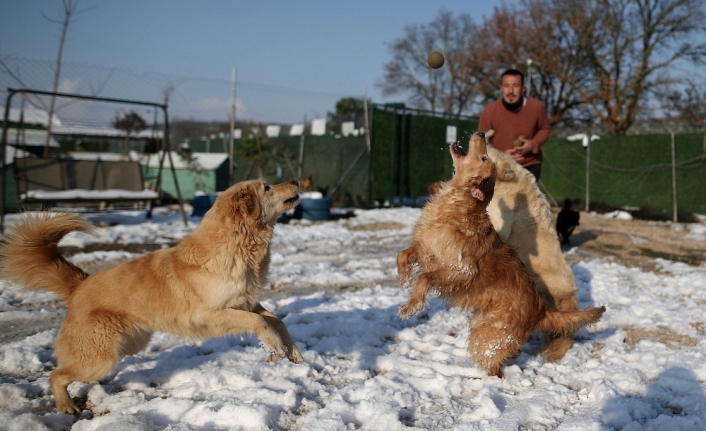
x,y
477,193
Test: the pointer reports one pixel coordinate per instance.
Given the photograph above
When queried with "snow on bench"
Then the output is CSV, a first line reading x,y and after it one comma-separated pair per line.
x,y
70,180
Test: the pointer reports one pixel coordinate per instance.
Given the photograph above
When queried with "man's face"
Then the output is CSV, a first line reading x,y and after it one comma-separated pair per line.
x,y
511,88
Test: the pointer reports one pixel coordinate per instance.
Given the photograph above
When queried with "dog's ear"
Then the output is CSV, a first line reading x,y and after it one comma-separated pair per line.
x,y
246,202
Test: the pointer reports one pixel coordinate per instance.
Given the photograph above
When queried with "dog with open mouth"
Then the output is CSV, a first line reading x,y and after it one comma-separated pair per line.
x,y
204,287
457,253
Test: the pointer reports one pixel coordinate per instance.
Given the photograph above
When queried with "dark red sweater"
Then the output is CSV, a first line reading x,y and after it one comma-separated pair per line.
x,y
529,121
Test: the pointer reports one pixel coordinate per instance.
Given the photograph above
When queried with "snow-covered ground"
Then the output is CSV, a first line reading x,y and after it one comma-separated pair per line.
x,y
334,285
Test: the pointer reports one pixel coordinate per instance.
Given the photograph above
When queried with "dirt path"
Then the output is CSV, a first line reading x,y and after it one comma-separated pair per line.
x,y
634,243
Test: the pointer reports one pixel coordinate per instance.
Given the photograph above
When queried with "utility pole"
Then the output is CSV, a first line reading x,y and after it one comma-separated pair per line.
x,y
232,132
529,76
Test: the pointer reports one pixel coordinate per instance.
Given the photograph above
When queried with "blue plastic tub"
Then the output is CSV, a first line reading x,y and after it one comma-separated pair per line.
x,y
313,209
202,204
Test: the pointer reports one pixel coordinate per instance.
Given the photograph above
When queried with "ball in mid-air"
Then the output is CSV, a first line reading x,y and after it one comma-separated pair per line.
x,y
435,59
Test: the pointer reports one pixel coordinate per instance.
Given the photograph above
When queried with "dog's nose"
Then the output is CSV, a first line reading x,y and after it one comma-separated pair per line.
x,y
295,183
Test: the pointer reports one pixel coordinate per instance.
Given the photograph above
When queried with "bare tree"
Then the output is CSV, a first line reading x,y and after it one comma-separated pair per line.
x,y
634,48
535,37
347,109
444,89
601,59
70,8
687,105
130,123
556,65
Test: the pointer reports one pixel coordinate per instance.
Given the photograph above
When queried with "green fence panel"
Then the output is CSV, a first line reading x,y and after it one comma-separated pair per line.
x,y
409,150
633,171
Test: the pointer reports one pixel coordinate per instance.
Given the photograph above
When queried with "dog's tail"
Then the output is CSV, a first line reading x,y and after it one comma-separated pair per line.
x,y
29,255
568,322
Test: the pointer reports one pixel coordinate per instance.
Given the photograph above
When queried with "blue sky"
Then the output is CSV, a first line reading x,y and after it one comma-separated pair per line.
x,y
337,48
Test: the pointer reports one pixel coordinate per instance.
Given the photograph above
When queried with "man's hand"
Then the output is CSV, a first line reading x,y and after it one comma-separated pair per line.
x,y
518,153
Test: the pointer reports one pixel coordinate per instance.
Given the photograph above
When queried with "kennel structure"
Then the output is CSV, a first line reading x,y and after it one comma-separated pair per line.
x,y
66,184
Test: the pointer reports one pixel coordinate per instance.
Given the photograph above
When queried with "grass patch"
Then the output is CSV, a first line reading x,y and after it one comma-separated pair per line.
x,y
670,339
377,226
689,259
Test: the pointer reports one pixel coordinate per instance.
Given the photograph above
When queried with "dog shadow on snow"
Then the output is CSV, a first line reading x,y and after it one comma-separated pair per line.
x,y
354,338
673,400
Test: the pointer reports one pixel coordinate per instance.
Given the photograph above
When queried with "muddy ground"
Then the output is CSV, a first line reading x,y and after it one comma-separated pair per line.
x,y
634,243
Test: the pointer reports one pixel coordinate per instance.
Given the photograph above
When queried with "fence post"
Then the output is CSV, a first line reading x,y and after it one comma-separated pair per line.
x,y
674,182
588,170
300,158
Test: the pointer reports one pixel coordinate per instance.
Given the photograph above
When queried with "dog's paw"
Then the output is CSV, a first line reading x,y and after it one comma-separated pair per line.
x,y
277,351
295,356
410,308
406,282
271,357
69,407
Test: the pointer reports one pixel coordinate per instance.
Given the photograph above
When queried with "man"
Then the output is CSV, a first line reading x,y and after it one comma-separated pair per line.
x,y
520,123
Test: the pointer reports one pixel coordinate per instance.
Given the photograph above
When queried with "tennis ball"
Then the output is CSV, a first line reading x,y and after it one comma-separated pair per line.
x,y
517,142
435,59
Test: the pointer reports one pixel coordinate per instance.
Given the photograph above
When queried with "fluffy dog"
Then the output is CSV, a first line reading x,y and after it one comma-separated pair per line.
x,y
459,254
523,218
206,286
566,221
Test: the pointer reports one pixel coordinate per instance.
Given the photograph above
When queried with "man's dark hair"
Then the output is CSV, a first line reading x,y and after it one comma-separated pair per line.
x,y
514,72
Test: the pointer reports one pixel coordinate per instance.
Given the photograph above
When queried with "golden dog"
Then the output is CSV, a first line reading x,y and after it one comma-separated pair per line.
x,y
206,286
522,217
458,253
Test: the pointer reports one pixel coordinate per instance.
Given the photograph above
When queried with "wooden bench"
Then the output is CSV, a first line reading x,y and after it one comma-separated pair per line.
x,y
74,181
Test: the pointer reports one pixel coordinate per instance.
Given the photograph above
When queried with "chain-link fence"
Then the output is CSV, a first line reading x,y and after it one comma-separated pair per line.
x,y
638,172
189,97
655,175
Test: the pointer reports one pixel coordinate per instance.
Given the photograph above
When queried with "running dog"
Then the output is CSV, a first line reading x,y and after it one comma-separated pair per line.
x,y
206,286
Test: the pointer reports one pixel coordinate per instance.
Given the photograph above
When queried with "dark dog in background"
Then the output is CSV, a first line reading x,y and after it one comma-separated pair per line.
x,y
566,221
306,184
434,188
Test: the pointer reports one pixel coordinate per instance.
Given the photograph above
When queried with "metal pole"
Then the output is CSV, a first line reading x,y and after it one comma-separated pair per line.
x,y
367,122
3,152
588,171
232,132
301,149
674,182
529,76
167,143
